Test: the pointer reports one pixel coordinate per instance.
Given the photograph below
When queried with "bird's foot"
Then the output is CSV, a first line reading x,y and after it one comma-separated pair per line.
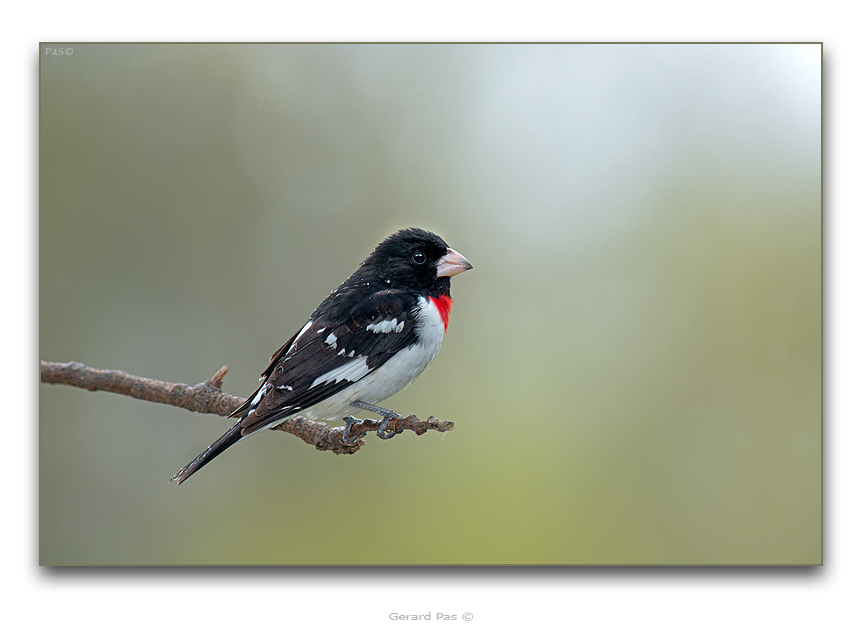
x,y
381,429
346,439
389,435
386,414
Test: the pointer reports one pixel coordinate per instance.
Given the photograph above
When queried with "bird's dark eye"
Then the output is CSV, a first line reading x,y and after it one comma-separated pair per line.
x,y
418,258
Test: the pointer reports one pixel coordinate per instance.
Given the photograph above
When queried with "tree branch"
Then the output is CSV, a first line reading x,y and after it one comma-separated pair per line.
x,y
207,397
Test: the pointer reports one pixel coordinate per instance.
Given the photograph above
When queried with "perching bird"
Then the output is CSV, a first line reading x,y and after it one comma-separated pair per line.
x,y
370,338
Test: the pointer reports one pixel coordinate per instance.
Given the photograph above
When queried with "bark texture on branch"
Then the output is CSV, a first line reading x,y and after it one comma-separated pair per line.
x,y
207,397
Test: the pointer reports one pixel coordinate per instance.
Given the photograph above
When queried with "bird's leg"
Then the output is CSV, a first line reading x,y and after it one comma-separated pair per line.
x,y
385,413
346,439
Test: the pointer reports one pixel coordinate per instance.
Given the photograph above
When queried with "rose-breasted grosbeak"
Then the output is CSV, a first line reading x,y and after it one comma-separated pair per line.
x,y
370,338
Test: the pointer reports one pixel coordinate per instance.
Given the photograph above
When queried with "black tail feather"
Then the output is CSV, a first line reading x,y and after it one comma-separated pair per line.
x,y
221,444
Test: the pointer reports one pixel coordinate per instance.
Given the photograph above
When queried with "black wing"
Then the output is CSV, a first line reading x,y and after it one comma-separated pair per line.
x,y
344,340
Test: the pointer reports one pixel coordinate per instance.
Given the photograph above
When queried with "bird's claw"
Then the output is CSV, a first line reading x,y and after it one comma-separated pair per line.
x,y
346,439
381,429
386,414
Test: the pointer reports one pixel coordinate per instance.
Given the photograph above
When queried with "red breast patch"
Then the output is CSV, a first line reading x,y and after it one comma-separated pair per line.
x,y
444,305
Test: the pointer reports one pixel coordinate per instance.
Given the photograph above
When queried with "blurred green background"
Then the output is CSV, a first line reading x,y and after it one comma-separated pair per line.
x,y
633,366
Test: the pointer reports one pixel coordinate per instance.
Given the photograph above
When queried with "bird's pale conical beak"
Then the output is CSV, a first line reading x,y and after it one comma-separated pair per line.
x,y
452,263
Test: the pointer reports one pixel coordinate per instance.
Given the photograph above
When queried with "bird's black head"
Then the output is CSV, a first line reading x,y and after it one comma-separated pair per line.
x,y
417,260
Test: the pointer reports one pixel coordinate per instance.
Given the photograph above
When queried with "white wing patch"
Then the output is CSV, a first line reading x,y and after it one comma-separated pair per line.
x,y
298,336
289,349
352,371
301,332
387,325
260,395
330,340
